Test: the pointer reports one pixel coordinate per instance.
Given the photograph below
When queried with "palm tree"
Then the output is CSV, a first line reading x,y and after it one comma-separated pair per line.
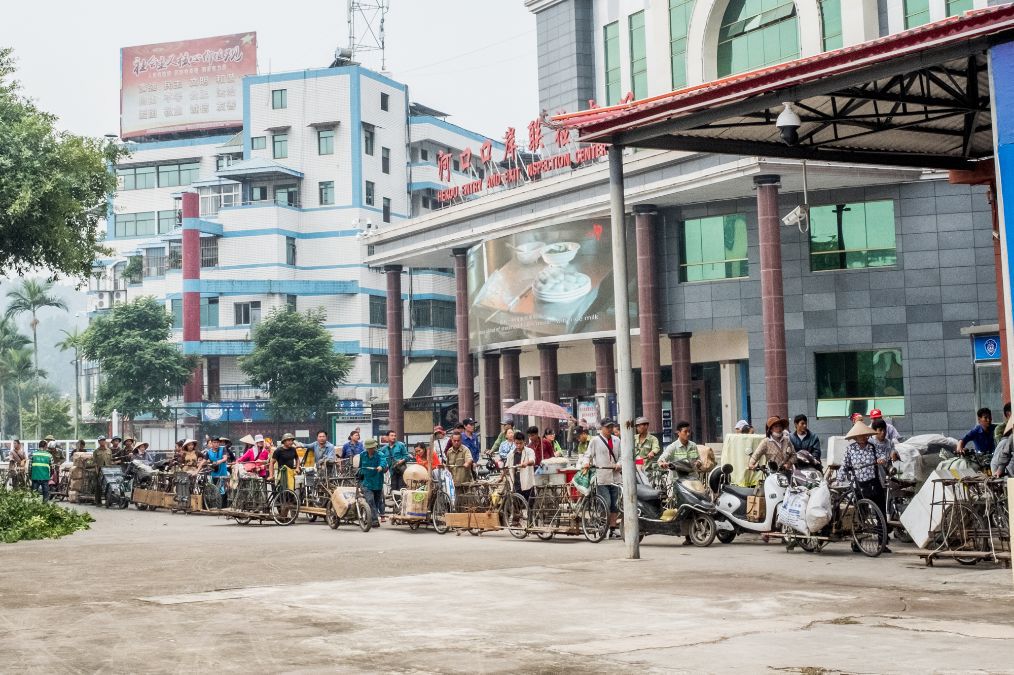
x,y
17,365
10,339
74,340
30,298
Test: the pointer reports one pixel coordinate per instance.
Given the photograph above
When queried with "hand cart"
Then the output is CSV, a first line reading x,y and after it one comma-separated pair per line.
x,y
259,499
559,508
427,505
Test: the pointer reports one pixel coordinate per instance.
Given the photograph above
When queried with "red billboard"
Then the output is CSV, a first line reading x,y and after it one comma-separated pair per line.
x,y
185,86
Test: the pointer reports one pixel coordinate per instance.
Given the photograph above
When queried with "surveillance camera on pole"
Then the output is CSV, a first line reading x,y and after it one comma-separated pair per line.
x,y
788,124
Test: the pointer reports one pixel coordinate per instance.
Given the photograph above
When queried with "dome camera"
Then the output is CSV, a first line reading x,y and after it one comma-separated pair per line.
x,y
788,123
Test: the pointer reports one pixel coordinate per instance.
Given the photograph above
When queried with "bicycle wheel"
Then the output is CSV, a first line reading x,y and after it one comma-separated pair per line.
x,y
365,514
331,517
212,496
438,513
284,507
110,498
545,536
595,519
515,516
963,530
869,528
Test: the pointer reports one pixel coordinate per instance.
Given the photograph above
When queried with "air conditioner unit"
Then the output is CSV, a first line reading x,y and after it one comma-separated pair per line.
x,y
102,300
119,296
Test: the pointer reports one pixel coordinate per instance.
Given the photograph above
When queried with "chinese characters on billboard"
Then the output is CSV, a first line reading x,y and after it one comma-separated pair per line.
x,y
185,86
544,283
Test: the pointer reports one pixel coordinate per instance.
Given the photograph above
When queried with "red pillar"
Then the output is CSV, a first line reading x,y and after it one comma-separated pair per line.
x,y
466,378
772,296
193,391
549,377
647,315
491,395
395,361
605,370
679,346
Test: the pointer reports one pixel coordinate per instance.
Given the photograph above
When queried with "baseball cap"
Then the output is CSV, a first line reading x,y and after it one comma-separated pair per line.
x,y
856,416
608,422
467,421
641,420
742,424
876,414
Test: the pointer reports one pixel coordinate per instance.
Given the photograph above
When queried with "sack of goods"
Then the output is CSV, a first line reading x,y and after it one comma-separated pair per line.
x,y
415,475
792,511
341,498
84,460
818,508
414,502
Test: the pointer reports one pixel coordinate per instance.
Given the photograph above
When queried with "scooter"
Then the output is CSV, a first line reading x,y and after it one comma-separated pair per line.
x,y
807,471
680,512
731,501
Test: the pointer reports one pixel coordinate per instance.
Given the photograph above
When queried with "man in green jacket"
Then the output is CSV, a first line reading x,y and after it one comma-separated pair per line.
x,y
372,465
398,457
41,463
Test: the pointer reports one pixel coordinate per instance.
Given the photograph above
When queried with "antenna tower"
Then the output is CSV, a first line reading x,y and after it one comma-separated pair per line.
x,y
366,28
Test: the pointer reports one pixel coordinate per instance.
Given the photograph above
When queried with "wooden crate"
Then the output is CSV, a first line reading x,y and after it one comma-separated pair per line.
x,y
480,520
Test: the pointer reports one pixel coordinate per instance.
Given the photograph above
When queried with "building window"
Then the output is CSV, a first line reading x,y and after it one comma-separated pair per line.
x,y
638,55
714,248
174,175
216,197
225,161
175,255
368,138
916,12
326,191
830,24
679,25
259,193
287,195
387,210
370,191
279,99
955,7
385,160
209,313
445,372
136,178
755,34
247,313
852,236
378,369
325,141
385,101
258,142
290,251
166,221
290,303
424,154
611,39
280,146
849,382
378,310
155,262
209,251
433,314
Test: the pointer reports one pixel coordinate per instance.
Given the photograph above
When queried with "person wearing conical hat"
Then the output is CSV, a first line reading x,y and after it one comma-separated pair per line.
x,y
864,461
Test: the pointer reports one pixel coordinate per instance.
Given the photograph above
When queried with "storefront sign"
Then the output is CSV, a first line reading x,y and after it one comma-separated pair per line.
x,y
987,348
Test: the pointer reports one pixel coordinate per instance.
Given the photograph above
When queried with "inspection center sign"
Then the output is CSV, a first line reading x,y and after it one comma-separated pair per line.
x,y
187,85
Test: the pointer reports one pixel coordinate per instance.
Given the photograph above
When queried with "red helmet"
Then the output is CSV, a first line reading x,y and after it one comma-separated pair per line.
x,y
855,417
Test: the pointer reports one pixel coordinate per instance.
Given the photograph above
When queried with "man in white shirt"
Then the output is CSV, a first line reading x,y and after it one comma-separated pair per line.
x,y
604,456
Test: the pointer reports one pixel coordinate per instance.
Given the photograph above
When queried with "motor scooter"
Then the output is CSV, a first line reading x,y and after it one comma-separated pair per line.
x,y
679,512
731,501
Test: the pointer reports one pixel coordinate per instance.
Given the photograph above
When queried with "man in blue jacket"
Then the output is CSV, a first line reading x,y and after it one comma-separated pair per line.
x,y
804,439
470,439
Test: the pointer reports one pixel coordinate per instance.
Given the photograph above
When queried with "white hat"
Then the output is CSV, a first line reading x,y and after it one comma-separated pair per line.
x,y
859,429
742,424
258,438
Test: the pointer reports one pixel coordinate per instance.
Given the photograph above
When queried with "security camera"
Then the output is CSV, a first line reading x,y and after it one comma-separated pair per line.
x,y
788,123
798,217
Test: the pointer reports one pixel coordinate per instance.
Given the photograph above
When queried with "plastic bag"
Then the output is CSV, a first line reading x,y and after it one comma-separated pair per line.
x,y
792,511
582,480
818,508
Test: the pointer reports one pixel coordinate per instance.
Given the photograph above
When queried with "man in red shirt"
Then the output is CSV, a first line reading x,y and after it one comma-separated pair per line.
x,y
542,448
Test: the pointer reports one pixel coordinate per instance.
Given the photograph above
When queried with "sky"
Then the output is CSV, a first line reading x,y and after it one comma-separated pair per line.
x,y
473,59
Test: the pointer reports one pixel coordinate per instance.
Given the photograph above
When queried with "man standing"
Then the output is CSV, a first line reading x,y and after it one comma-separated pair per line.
x,y
470,439
397,456
41,470
219,461
520,465
542,448
998,432
646,445
126,451
804,439
604,457
372,465
114,447
459,460
103,456
285,458
682,449
17,465
981,435
892,433
323,452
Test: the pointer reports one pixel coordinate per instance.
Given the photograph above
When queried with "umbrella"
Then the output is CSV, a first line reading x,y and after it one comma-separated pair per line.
x,y
538,409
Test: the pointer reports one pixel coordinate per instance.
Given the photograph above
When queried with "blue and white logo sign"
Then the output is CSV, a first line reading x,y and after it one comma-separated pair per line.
x,y
987,348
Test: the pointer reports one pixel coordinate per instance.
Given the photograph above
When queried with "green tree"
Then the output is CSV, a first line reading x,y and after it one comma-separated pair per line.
x,y
293,358
54,416
16,366
140,367
74,340
10,339
53,187
29,299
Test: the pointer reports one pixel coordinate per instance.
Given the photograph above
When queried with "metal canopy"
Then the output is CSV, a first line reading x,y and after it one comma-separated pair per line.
x,y
918,98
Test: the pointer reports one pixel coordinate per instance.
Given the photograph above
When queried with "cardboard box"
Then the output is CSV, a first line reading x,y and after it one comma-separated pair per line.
x,y
755,509
415,502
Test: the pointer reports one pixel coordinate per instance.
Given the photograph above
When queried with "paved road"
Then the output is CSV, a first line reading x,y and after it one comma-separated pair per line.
x,y
152,592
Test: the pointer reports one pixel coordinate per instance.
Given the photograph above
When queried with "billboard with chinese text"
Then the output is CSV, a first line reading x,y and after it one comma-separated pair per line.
x,y
188,85
550,282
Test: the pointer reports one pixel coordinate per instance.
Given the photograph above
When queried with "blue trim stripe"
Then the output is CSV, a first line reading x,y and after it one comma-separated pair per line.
x,y
279,232
192,347
191,285
140,146
356,132
454,129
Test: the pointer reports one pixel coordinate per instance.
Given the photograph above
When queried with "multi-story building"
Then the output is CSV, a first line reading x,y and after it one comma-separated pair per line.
x,y
890,294
326,158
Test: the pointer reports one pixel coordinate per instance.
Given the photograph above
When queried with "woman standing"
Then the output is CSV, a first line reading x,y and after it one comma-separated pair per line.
x,y
776,447
353,447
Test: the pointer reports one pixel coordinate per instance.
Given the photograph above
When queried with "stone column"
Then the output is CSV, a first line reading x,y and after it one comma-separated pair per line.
x,y
548,378
605,369
511,359
647,314
491,412
679,345
395,361
772,296
466,379
194,389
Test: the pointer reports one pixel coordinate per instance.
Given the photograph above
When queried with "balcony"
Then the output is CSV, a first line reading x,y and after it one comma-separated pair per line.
x,y
234,392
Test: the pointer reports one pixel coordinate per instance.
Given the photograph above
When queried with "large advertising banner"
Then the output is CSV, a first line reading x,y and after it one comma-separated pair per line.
x,y
185,86
545,283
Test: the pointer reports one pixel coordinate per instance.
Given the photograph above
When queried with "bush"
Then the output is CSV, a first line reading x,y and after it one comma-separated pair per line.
x,y
23,515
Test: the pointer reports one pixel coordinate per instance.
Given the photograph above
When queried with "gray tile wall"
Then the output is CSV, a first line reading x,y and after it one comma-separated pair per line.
x,y
944,281
566,56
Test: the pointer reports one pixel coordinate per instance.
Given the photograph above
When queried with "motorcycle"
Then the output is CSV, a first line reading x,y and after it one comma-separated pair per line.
x,y
807,471
684,510
731,501
115,487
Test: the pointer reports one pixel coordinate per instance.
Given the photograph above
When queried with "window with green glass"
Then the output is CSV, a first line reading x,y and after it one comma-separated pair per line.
x,y
852,236
830,24
714,248
611,35
679,25
955,7
851,382
166,221
916,12
209,313
638,56
757,33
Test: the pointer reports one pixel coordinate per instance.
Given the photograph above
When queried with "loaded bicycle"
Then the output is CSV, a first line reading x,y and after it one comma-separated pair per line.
x,y
559,507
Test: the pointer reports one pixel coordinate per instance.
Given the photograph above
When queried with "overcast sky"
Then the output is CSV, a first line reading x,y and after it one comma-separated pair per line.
x,y
474,59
